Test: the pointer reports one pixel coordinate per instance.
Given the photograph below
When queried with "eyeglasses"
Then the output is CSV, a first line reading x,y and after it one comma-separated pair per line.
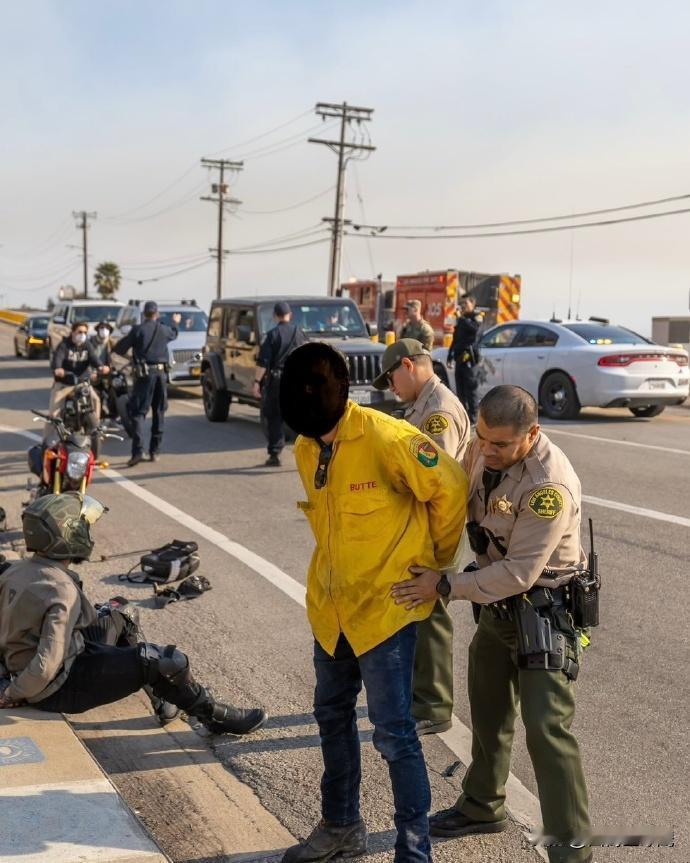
x,y
389,373
325,456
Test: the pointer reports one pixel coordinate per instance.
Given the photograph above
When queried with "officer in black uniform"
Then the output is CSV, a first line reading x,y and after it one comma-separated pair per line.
x,y
277,346
465,354
149,343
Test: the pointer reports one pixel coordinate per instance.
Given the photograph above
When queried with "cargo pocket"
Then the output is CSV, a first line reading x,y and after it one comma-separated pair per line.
x,y
362,515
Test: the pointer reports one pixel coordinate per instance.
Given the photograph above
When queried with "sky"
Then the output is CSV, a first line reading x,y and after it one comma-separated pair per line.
x,y
482,112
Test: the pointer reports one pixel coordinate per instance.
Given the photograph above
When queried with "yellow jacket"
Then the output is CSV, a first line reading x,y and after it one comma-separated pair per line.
x,y
391,500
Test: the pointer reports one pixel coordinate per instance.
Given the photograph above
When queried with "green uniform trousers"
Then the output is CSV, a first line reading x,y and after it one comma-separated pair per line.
x,y
547,702
433,666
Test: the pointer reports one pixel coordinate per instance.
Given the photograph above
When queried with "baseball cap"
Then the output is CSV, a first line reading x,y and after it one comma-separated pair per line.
x,y
150,307
393,356
281,309
414,304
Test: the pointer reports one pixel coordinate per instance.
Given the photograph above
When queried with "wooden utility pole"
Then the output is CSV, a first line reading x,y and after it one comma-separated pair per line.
x,y
84,227
220,189
346,114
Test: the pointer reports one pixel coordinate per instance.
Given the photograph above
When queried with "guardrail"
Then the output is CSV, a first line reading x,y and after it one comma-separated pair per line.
x,y
10,317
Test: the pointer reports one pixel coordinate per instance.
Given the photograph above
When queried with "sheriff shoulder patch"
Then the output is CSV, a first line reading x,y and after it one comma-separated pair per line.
x,y
424,451
546,502
436,424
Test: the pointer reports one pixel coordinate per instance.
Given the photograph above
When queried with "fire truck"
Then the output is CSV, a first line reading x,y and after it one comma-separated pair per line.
x,y
383,303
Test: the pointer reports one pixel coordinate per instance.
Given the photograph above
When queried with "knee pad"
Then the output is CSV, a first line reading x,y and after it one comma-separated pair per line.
x,y
166,662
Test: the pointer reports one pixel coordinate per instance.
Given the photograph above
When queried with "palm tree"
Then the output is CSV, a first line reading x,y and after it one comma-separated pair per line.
x,y
107,279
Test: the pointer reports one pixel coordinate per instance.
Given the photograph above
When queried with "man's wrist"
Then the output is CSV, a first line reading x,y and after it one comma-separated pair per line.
x,y
443,586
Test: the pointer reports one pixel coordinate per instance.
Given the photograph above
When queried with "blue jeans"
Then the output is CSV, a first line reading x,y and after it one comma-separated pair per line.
x,y
386,672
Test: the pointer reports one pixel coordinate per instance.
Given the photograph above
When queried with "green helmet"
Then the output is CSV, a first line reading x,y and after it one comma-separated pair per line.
x,y
57,525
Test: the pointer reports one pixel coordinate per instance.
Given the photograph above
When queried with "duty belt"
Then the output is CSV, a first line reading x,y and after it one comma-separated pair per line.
x,y
539,597
158,366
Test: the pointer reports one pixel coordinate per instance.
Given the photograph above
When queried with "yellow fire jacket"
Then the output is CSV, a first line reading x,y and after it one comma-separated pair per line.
x,y
391,500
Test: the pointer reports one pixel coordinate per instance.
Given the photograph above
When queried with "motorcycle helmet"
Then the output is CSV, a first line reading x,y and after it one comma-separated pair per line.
x,y
57,526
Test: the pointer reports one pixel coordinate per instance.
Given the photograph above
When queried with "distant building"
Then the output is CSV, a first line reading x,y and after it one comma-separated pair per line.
x,y
672,330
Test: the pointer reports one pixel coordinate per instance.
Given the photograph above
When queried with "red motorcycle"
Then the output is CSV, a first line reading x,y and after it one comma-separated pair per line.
x,y
68,464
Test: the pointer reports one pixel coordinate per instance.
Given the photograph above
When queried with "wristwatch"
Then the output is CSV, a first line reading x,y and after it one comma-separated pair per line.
x,y
443,586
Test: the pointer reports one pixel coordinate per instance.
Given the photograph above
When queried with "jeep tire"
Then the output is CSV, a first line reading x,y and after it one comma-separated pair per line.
x,y
216,402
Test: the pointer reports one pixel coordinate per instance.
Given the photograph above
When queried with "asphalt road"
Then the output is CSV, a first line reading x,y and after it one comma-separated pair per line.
x,y
249,639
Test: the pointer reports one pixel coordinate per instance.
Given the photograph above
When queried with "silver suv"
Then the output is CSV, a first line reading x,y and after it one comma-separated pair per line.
x,y
66,313
237,327
184,351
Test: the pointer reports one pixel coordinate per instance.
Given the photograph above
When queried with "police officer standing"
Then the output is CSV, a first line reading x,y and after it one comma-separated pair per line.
x,y
406,369
528,585
276,348
149,343
465,354
416,327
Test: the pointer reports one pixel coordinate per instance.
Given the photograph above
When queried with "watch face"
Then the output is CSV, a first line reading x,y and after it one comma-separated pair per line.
x,y
443,586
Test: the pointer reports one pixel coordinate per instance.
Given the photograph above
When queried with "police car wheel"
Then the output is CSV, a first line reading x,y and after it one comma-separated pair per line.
x,y
216,402
647,410
558,397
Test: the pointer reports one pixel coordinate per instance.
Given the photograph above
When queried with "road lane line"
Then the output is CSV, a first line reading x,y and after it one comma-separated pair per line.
x,y
552,430
637,510
522,804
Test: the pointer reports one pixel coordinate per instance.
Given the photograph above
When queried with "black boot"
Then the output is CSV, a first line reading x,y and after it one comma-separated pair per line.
x,y
327,841
164,710
451,822
225,718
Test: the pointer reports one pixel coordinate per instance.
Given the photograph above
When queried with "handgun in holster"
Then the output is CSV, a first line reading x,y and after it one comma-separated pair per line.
x,y
540,646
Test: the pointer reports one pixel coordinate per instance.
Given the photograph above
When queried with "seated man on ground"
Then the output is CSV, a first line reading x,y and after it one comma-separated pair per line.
x,y
57,654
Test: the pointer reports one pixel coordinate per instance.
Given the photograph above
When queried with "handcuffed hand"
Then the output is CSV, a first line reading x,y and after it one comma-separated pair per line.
x,y
176,318
59,373
419,589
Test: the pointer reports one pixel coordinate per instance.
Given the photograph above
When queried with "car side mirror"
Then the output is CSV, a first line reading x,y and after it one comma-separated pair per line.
x,y
372,329
58,320
125,328
244,334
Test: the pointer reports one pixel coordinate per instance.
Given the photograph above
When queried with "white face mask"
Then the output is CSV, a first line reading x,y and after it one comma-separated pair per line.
x,y
103,334
79,338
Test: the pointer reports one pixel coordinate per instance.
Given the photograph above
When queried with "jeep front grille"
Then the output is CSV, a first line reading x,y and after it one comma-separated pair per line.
x,y
364,368
185,356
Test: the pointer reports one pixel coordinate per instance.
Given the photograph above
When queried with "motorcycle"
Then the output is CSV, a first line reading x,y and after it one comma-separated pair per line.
x,y
68,464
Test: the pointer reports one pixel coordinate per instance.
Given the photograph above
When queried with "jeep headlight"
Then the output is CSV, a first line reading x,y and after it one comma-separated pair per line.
x,y
77,462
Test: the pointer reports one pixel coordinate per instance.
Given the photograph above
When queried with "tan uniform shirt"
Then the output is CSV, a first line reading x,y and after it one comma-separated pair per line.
x,y
422,331
534,513
441,416
42,610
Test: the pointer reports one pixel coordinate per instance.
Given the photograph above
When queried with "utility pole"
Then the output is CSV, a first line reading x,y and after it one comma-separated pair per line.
x,y
346,114
220,189
84,227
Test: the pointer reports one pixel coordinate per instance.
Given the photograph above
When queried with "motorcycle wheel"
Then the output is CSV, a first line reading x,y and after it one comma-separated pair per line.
x,y
123,412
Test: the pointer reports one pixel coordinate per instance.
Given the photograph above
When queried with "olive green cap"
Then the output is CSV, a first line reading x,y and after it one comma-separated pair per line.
x,y
394,354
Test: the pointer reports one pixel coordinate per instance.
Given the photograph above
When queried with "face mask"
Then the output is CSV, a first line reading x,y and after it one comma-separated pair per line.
x,y
313,389
79,338
103,334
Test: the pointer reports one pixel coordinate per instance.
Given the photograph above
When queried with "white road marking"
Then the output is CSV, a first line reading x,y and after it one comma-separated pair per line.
x,y
637,510
552,430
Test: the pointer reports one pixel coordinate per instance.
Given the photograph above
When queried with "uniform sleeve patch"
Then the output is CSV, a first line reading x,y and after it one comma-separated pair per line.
x,y
424,451
546,502
436,424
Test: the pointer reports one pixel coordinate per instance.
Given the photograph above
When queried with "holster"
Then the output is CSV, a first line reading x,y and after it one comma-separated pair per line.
x,y
540,645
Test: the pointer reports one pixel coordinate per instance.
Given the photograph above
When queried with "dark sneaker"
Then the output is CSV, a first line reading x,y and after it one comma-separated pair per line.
x,y
153,456
327,841
135,460
272,461
432,726
450,822
227,719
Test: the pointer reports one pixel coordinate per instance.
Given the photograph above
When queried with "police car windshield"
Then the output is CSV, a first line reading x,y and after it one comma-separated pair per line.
x,y
38,323
93,314
606,334
326,319
192,322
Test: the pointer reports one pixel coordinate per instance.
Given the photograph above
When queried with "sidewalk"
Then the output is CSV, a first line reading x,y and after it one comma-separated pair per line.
x,y
57,805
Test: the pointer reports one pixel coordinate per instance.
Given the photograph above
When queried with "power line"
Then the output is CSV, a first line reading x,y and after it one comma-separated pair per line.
x,y
380,235
161,265
290,207
164,276
263,134
295,235
179,202
284,144
280,249
534,220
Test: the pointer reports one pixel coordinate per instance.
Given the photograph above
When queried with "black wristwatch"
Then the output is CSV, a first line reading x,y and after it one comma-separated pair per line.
x,y
443,586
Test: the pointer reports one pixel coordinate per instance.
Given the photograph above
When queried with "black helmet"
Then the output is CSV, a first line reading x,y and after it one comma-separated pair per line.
x,y
57,525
